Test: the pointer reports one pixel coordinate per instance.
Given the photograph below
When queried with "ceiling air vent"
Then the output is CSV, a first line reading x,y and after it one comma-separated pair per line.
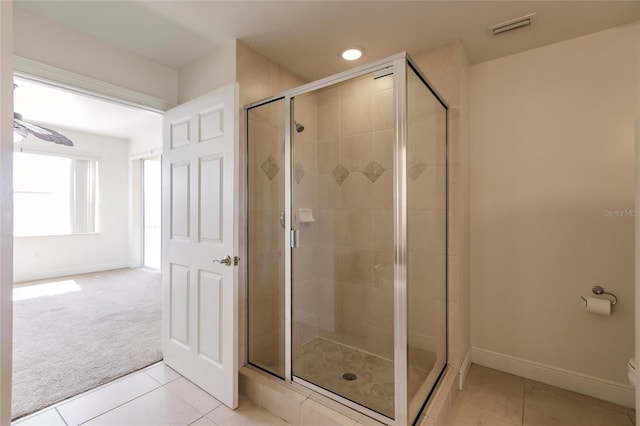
x,y
514,24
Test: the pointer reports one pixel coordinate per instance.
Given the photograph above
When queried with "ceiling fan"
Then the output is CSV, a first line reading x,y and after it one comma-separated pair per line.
x,y
21,129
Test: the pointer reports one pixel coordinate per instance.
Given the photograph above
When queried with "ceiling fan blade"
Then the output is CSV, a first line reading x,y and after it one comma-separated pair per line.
x,y
42,132
21,130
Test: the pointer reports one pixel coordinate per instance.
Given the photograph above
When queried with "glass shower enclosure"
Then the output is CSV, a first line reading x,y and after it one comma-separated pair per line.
x,y
347,238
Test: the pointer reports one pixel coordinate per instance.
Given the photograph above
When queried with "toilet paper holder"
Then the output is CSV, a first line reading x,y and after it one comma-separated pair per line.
x,y
598,290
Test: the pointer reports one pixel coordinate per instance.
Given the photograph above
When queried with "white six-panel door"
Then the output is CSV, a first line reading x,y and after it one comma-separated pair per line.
x,y
199,229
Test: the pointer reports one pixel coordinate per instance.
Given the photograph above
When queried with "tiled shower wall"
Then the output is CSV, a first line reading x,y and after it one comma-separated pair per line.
x,y
345,291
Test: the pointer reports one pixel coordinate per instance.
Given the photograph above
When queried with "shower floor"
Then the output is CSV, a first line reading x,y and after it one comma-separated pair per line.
x,y
324,362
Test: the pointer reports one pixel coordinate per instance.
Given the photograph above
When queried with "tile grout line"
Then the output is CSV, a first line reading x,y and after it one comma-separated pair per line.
x,y
220,404
60,414
124,403
202,417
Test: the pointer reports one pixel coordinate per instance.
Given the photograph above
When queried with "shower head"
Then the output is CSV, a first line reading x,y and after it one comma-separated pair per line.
x,y
299,127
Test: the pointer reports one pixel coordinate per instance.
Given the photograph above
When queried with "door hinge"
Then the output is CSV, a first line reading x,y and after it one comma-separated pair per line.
x,y
236,260
294,238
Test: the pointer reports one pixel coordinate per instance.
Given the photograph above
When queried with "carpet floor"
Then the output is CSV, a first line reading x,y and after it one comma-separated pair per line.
x,y
98,327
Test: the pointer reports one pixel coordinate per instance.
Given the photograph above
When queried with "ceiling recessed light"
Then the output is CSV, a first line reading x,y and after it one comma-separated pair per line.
x,y
351,54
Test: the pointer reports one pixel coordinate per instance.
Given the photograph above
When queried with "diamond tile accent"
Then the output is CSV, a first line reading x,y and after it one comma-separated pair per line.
x,y
415,169
340,173
373,171
298,172
270,167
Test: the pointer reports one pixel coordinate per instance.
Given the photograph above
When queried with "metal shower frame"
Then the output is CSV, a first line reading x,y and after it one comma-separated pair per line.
x,y
399,64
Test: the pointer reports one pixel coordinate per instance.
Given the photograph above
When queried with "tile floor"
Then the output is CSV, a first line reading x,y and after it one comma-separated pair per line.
x,y
493,398
159,396
154,396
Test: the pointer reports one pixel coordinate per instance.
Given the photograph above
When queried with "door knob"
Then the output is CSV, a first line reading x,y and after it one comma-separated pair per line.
x,y
224,261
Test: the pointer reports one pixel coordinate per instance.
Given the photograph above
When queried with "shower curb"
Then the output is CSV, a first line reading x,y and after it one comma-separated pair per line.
x,y
299,406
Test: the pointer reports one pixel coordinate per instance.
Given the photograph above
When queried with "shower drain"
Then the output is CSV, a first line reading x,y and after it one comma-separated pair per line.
x,y
349,377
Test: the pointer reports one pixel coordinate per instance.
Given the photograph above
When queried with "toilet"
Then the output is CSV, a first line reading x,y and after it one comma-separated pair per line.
x,y
631,372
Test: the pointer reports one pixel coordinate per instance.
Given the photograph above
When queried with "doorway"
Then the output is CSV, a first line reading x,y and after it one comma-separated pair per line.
x,y
82,315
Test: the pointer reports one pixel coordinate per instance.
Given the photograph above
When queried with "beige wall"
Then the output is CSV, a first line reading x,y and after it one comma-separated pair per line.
x,y
260,77
552,149
447,69
209,72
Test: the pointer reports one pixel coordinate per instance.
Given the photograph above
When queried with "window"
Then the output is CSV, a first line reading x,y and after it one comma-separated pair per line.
x,y
53,195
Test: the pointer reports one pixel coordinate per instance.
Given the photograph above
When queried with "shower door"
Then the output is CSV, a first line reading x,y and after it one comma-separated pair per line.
x,y
342,265
265,242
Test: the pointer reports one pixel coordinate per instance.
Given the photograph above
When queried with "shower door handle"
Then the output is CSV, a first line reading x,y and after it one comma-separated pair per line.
x,y
295,238
282,218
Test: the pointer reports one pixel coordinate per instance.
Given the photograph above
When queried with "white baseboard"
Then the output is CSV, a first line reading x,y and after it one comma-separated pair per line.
x,y
63,272
617,393
464,369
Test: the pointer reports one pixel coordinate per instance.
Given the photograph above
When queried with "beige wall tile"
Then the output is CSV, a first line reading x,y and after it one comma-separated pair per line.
x,y
383,146
353,265
356,151
328,156
282,404
325,297
428,231
382,308
361,86
328,192
383,229
355,192
326,225
382,191
383,110
249,387
354,302
356,115
383,265
314,413
383,83
354,228
328,121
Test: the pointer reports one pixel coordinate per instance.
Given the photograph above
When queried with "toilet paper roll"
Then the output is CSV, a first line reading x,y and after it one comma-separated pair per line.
x,y
599,306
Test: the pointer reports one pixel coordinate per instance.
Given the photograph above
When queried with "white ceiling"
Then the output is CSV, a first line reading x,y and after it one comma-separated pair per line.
x,y
306,36
47,105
